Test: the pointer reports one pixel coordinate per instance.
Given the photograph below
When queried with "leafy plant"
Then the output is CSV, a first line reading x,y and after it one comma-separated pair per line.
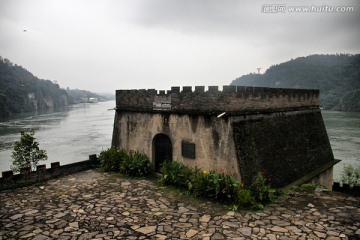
x,y
175,174
110,159
261,191
26,152
136,164
221,186
130,163
244,198
350,175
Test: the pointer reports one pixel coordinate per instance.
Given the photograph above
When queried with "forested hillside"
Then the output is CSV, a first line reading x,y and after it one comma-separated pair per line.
x,y
336,76
21,91
78,96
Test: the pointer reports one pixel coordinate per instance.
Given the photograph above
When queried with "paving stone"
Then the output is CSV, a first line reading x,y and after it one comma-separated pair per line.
x,y
217,236
310,205
87,235
94,205
246,231
41,237
271,236
230,224
191,233
320,234
29,235
205,218
74,225
147,229
332,233
160,237
16,216
279,229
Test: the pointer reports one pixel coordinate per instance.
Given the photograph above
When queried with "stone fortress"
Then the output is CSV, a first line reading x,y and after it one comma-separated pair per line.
x,y
242,130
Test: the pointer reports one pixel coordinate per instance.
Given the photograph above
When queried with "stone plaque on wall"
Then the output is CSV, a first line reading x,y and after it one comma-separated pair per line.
x,y
161,105
188,149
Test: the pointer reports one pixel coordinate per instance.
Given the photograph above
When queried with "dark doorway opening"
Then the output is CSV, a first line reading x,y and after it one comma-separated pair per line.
x,y
162,150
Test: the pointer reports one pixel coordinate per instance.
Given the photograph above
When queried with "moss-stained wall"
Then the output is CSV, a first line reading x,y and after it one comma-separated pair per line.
x,y
284,146
212,136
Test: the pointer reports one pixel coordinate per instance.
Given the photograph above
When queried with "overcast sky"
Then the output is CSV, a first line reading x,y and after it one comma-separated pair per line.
x,y
104,45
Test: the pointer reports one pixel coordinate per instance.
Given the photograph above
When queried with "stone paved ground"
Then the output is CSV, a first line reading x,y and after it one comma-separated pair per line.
x,y
93,205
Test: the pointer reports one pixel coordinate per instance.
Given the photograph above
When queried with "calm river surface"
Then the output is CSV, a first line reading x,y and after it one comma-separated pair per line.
x,y
74,133
68,135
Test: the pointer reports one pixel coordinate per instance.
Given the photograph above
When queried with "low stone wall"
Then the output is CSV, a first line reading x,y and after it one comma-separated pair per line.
x,y
346,188
26,176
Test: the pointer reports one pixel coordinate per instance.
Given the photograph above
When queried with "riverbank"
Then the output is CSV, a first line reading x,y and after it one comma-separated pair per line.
x,y
91,204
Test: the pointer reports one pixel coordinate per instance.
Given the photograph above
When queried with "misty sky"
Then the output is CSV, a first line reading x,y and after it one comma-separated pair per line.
x,y
104,45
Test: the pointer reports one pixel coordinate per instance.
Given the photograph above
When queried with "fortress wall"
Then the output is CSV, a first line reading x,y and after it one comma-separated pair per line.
x,y
284,147
233,99
279,132
213,137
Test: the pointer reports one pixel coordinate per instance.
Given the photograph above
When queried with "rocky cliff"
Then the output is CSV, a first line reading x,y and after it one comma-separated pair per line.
x,y
21,91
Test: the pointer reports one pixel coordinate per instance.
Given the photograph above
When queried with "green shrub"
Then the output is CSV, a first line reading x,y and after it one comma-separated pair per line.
x,y
244,198
130,163
260,190
220,186
175,174
110,159
199,183
136,164
350,175
26,152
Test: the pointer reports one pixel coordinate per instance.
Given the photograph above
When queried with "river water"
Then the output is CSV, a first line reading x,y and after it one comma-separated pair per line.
x,y
68,135
77,131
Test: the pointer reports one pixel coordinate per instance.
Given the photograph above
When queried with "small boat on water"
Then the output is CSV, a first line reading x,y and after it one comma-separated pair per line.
x,y
93,100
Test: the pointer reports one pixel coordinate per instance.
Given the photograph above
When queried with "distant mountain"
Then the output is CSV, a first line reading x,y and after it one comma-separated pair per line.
x,y
80,96
336,76
21,91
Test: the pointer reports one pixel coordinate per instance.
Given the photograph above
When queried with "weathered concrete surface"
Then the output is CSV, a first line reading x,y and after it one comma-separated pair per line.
x,y
93,205
213,138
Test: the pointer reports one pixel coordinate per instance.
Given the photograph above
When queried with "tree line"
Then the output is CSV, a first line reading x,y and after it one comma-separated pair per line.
x,y
21,91
337,76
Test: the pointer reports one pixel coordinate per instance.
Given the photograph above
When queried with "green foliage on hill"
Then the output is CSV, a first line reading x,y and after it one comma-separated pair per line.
x,y
336,76
350,102
21,91
78,96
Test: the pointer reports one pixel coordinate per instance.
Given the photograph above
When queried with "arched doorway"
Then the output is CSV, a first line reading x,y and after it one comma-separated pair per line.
x,y
162,150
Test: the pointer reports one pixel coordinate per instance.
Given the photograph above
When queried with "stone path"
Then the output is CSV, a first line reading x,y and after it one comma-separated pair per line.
x,y
93,205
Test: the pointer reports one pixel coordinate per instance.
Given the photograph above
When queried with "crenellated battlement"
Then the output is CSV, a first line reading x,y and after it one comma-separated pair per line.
x,y
232,99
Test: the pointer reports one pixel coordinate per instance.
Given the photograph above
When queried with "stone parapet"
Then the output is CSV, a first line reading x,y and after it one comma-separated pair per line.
x,y
26,176
232,99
